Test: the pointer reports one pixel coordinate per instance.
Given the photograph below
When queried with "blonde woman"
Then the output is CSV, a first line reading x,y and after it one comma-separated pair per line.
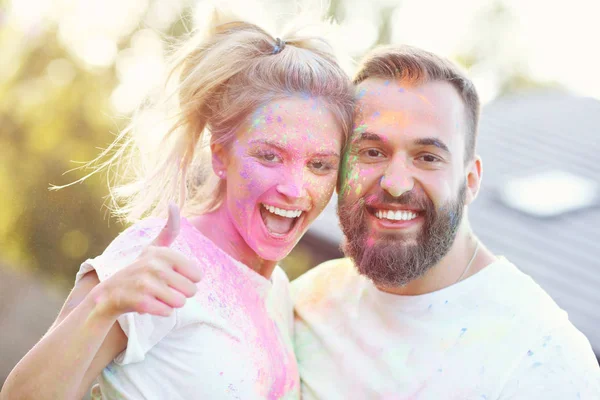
x,y
195,307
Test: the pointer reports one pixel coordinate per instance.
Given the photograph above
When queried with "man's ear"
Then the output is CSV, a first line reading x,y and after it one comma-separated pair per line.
x,y
220,159
474,175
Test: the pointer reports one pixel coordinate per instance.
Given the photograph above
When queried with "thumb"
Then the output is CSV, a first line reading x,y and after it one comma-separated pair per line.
x,y
169,233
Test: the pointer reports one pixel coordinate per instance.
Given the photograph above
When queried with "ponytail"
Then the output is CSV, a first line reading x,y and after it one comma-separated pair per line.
x,y
217,79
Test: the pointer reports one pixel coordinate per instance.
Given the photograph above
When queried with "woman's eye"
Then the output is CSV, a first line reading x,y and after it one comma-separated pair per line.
x,y
321,166
270,157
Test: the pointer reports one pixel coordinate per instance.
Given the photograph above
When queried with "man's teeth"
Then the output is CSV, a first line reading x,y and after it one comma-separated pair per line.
x,y
283,213
395,215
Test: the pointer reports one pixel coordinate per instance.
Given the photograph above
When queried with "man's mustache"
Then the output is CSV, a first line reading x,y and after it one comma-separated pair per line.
x,y
412,199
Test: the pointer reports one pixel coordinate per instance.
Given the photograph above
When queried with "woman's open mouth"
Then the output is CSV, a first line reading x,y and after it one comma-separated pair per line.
x,y
279,222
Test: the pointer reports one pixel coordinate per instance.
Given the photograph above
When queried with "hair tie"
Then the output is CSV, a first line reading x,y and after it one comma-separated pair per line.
x,y
279,45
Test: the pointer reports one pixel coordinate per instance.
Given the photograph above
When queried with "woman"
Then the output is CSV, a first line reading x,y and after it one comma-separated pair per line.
x,y
196,307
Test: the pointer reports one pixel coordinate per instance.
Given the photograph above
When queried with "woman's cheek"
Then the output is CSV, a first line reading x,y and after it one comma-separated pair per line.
x,y
323,190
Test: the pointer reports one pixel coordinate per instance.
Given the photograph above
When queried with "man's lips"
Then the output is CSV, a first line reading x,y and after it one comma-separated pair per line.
x,y
394,212
394,216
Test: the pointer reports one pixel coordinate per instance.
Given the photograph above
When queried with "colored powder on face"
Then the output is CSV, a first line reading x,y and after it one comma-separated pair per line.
x,y
361,128
424,99
346,173
398,118
386,83
401,90
361,93
358,189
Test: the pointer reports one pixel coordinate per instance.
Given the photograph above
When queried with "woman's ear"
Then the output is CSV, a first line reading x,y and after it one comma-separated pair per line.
x,y
474,175
219,160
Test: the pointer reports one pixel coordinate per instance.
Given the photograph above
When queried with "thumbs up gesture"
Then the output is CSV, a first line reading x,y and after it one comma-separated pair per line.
x,y
158,281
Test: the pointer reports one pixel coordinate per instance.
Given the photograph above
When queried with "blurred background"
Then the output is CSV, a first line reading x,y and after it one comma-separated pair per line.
x,y
71,72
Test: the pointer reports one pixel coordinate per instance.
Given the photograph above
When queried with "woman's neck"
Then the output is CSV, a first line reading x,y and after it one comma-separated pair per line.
x,y
219,228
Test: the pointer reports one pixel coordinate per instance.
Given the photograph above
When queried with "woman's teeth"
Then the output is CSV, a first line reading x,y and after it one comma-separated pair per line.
x,y
395,215
283,213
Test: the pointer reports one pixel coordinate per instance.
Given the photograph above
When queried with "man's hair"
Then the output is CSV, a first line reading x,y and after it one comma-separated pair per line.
x,y
415,66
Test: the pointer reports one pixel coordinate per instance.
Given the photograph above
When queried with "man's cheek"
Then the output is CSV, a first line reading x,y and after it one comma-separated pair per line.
x,y
349,175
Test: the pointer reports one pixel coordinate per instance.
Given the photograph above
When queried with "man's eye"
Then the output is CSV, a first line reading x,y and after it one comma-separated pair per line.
x,y
429,158
373,153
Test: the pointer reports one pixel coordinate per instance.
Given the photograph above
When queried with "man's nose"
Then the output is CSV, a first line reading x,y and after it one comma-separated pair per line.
x,y
397,178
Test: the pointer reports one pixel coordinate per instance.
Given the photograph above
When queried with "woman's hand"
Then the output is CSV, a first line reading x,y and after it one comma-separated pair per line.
x,y
158,281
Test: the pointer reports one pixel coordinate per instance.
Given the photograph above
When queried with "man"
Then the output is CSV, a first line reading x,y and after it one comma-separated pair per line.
x,y
421,309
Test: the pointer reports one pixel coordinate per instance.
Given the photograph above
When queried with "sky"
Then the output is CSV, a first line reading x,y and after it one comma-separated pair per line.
x,y
549,40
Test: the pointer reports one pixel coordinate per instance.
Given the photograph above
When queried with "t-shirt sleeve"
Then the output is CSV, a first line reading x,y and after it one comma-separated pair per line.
x,y
561,366
143,330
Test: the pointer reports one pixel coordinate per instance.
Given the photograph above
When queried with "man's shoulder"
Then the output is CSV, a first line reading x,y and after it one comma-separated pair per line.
x,y
515,289
325,279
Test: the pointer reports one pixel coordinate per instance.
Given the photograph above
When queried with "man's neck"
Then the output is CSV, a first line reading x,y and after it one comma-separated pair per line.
x,y
449,269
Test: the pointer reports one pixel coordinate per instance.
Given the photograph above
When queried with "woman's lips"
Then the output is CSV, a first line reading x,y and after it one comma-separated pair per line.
x,y
277,224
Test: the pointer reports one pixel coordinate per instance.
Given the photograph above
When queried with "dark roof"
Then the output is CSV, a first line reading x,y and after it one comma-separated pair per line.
x,y
528,133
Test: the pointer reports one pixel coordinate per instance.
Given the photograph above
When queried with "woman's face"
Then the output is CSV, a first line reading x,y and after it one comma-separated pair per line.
x,y
281,172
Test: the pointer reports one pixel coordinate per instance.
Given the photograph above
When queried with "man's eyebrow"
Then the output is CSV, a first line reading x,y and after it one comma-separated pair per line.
x,y
431,141
369,136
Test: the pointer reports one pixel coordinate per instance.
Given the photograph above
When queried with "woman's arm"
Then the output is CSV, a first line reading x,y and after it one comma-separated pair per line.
x,y
86,337
64,363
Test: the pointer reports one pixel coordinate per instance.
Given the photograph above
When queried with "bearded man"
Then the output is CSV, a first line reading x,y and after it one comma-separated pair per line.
x,y
420,308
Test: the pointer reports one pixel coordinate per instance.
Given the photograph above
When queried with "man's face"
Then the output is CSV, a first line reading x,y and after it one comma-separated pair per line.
x,y
403,185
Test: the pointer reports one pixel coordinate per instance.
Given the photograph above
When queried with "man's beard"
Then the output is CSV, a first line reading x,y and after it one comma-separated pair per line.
x,y
389,260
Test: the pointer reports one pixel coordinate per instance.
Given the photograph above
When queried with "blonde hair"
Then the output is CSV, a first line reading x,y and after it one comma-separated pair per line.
x,y
220,78
415,67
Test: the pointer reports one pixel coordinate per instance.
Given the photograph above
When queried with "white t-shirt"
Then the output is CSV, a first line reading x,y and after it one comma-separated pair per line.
x,y
232,340
495,335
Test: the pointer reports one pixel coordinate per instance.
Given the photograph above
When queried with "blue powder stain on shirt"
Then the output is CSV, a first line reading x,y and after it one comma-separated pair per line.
x,y
535,365
529,353
446,302
429,308
462,331
439,370
546,340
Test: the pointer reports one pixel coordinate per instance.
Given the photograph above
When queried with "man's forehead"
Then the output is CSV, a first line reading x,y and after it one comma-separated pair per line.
x,y
394,99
